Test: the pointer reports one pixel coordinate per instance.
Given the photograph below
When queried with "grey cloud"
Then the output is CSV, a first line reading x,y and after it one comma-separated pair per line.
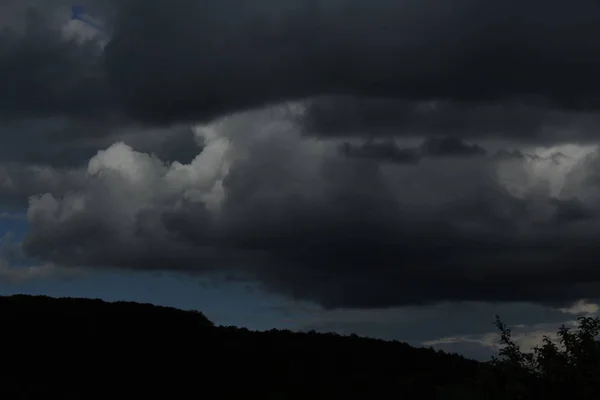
x,y
10,251
12,216
267,204
556,158
431,323
463,327
18,182
484,346
15,267
39,158
40,155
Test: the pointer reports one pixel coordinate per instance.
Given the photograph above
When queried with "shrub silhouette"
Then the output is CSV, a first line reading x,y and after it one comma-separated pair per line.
x,y
569,369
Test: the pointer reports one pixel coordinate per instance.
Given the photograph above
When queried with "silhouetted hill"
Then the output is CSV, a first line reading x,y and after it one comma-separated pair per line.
x,y
83,348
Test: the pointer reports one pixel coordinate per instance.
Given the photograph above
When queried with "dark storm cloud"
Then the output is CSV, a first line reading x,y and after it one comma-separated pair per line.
x,y
176,144
510,69
504,154
390,151
67,143
42,74
181,60
384,151
267,202
56,106
513,121
450,146
572,210
308,222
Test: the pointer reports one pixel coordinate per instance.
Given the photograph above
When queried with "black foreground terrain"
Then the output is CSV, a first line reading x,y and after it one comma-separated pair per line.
x,y
81,348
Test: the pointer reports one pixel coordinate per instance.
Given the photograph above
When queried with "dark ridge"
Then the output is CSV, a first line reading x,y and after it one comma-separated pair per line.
x,y
72,348
89,348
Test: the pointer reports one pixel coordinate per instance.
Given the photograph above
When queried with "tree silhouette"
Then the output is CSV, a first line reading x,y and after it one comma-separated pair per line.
x,y
567,369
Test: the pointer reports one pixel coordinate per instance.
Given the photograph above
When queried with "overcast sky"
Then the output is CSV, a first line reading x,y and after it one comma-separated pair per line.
x,y
373,168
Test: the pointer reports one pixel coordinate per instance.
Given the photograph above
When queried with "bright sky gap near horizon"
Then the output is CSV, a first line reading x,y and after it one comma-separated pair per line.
x,y
404,170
